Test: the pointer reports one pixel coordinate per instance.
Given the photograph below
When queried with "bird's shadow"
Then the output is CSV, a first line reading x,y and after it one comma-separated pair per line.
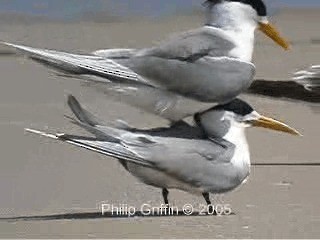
x,y
289,90
105,215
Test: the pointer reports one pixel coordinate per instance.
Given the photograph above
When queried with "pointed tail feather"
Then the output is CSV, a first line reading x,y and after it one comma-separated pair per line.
x,y
86,120
80,64
82,114
49,58
86,117
110,149
89,122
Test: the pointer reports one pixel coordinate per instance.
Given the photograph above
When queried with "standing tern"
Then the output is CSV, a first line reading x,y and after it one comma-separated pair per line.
x,y
210,157
211,64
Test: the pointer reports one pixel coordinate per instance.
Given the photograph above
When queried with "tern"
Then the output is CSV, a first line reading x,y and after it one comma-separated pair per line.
x,y
211,64
211,156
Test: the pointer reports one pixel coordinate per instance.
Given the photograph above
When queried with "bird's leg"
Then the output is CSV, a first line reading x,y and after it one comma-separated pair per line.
x,y
165,194
206,197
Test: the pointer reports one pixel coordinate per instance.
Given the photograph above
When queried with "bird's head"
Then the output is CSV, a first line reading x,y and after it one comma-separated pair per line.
x,y
250,11
240,115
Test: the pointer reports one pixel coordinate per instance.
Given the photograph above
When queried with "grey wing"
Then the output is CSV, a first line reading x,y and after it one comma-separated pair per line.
x,y
201,163
165,150
209,79
193,45
195,65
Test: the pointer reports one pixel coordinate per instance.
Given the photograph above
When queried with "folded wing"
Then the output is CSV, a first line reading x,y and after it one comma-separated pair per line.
x,y
99,146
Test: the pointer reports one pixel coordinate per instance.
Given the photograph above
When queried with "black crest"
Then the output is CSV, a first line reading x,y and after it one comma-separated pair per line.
x,y
237,106
258,5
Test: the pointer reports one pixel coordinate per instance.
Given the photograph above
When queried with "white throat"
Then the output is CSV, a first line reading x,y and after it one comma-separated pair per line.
x,y
239,22
236,135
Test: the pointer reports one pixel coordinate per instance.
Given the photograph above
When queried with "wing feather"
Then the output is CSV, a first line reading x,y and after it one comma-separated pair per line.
x,y
110,149
193,45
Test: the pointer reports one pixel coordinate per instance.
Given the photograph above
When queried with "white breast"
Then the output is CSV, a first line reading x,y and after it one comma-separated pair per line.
x,y
241,157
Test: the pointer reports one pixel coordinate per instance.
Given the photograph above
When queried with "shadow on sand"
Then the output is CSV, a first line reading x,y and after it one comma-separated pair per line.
x,y
284,89
106,215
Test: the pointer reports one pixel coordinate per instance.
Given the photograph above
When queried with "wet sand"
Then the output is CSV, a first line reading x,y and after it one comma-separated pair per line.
x,y
40,177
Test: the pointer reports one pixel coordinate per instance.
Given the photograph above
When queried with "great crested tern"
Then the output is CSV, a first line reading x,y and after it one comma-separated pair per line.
x,y
211,64
210,157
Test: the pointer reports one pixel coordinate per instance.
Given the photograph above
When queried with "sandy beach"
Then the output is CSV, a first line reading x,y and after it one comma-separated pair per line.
x,y
40,177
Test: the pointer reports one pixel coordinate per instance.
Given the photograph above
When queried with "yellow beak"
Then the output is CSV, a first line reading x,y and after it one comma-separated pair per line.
x,y
274,125
269,30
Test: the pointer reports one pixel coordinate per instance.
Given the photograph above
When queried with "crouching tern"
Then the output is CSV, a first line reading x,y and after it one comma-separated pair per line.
x,y
210,157
210,64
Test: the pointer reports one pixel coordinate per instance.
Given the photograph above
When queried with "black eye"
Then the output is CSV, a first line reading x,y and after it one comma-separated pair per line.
x,y
247,122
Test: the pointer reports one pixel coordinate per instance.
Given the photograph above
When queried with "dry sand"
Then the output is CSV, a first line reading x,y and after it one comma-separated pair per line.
x,y
41,177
